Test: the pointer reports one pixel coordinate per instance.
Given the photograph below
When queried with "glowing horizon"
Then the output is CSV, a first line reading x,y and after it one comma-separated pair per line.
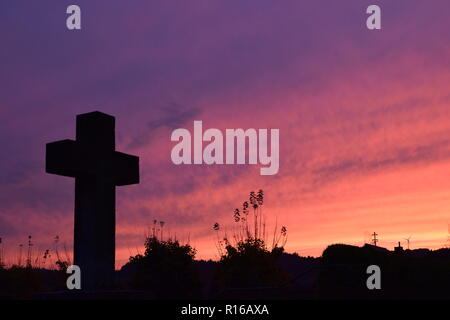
x,y
364,118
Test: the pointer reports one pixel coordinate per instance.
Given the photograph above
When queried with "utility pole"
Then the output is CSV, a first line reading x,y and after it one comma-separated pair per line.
x,y
374,239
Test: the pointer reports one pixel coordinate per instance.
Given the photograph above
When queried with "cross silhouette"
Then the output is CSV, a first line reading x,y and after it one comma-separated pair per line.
x,y
97,168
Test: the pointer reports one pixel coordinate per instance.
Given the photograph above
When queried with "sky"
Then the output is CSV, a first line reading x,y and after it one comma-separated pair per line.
x,y
364,116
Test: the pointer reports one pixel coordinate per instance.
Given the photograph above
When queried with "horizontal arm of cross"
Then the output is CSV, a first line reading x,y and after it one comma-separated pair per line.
x,y
68,158
62,158
126,169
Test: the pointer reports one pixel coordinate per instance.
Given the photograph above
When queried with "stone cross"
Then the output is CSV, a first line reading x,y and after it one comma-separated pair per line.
x,y
97,168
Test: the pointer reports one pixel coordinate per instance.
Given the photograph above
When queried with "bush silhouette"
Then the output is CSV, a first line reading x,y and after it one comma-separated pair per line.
x,y
250,264
247,261
166,269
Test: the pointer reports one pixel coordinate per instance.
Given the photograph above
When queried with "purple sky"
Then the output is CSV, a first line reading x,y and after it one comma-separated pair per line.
x,y
349,102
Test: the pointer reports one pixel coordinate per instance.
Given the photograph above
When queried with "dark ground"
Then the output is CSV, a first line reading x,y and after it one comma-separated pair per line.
x,y
339,274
